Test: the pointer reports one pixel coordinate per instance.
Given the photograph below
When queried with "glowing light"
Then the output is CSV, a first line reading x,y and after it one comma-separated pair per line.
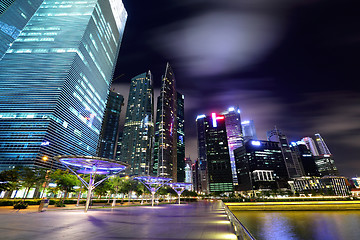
x,y
213,115
256,143
46,143
245,122
231,109
45,158
200,116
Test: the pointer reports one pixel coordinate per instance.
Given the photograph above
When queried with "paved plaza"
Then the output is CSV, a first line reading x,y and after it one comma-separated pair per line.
x,y
201,220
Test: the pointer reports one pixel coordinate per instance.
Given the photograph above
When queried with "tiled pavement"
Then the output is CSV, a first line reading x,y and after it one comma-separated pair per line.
x,y
202,220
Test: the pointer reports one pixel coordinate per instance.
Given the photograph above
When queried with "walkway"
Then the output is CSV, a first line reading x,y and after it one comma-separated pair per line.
x,y
202,220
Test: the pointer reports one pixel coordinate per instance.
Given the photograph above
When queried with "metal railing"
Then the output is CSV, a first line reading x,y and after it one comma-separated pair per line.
x,y
240,230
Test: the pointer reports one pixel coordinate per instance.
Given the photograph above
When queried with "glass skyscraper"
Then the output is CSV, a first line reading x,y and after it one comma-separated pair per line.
x,y
110,129
14,15
212,134
323,148
180,129
165,164
248,130
138,134
234,136
54,81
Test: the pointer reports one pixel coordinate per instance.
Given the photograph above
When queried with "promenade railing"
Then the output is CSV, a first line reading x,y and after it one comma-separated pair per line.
x,y
240,230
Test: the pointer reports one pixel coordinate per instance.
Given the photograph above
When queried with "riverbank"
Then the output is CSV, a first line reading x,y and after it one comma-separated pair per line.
x,y
294,206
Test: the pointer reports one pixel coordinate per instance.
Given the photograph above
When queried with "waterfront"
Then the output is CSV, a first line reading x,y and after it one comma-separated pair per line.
x,y
301,225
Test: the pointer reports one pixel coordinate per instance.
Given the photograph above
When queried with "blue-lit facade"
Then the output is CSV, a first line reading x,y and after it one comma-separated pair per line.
x,y
58,72
248,130
14,15
138,135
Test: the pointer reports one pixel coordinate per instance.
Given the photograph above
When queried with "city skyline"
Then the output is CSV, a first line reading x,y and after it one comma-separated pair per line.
x,y
279,85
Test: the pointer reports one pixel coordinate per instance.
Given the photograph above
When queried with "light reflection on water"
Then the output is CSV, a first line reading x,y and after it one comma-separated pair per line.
x,y
301,225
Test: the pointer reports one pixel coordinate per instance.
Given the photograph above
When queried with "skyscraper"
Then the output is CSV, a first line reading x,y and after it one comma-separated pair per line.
x,y
292,163
213,131
323,149
165,164
55,79
180,137
14,15
234,136
260,165
202,164
310,144
138,134
110,126
306,158
248,130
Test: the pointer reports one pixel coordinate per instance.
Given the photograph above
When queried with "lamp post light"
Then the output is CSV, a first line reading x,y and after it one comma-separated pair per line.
x,y
91,165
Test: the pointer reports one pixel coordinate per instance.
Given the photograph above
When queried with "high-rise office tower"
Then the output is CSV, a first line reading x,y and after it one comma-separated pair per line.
x,y
202,171
310,144
110,129
234,136
4,5
248,130
138,134
14,15
326,165
54,81
165,161
306,158
260,165
292,163
323,149
180,137
213,132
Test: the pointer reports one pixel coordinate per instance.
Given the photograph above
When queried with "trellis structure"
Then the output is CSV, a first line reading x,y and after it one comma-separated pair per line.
x,y
91,165
153,184
179,188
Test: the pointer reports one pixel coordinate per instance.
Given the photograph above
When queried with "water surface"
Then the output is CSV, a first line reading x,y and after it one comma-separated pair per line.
x,y
299,225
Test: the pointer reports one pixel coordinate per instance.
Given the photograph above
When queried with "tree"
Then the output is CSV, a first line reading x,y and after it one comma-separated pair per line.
x,y
65,182
30,178
9,180
103,188
188,193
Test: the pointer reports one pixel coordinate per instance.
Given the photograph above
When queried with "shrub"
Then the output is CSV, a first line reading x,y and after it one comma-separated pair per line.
x,y
59,204
20,205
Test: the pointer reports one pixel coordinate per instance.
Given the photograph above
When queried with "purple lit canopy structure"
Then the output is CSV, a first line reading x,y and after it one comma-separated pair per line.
x,y
91,165
153,184
179,188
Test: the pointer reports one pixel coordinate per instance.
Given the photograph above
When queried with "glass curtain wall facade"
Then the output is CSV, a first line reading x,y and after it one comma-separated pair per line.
x,y
165,164
202,162
248,130
58,72
14,15
138,134
180,137
234,135
110,126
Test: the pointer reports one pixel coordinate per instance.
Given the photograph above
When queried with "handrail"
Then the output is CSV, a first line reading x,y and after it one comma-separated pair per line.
x,y
240,230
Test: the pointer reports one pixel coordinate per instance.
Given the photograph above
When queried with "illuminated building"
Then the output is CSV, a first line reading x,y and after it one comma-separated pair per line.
x,y
323,149
292,163
180,137
306,158
54,81
138,133
248,130
109,134
196,181
14,15
260,165
310,144
326,165
234,136
165,159
212,133
203,178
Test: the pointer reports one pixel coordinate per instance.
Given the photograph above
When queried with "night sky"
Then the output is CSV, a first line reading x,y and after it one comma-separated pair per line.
x,y
293,64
